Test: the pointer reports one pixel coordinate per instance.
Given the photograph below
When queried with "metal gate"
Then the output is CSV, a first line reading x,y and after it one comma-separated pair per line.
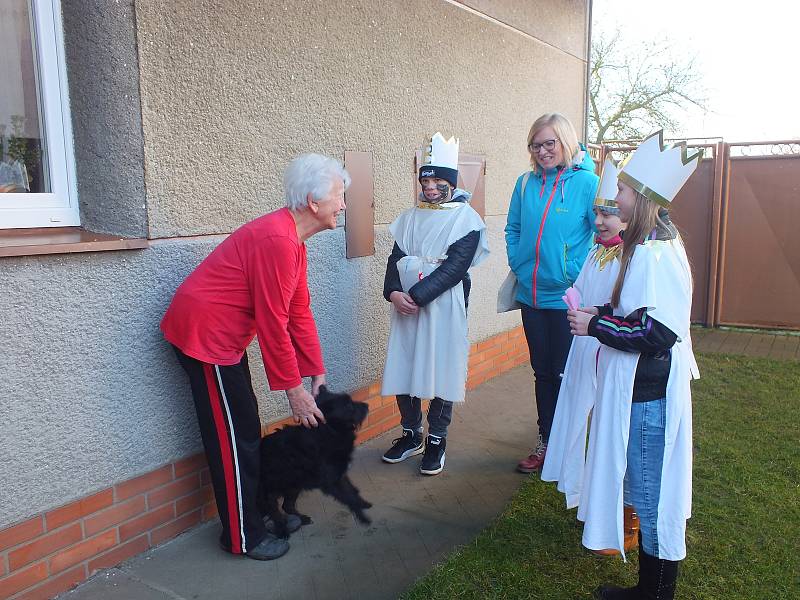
x,y
737,215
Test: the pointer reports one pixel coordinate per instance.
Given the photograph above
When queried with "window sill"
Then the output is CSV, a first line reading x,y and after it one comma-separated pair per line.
x,y
62,240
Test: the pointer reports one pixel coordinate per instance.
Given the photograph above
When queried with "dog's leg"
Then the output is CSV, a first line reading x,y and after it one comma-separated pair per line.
x,y
278,517
344,493
347,484
290,506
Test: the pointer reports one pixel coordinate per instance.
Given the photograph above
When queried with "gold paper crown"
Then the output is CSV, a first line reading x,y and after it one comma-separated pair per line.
x,y
607,189
658,171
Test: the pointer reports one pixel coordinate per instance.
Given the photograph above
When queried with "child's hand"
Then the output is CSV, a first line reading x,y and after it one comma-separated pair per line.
x,y
403,303
592,310
578,322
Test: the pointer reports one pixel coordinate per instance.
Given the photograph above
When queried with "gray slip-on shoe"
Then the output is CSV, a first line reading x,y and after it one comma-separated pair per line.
x,y
269,549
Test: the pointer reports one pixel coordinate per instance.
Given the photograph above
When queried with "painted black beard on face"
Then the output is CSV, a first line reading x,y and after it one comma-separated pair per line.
x,y
444,190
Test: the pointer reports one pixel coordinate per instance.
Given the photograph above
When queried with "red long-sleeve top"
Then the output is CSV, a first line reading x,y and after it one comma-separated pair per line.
x,y
254,282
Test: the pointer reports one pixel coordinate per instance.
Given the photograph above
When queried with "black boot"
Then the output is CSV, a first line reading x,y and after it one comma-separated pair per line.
x,y
657,577
610,592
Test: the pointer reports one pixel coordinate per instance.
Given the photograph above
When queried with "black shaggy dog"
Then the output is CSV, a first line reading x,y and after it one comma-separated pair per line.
x,y
294,459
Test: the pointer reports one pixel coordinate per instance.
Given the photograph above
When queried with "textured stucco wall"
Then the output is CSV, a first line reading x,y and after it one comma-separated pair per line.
x,y
561,24
103,73
89,393
227,100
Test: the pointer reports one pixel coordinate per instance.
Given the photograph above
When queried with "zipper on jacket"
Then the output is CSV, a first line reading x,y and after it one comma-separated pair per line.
x,y
541,229
566,250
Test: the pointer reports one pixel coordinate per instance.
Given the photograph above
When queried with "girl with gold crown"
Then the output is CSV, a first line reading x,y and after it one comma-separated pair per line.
x,y
427,281
640,444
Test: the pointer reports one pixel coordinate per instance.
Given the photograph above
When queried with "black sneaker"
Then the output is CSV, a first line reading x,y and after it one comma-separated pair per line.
x,y
404,447
433,461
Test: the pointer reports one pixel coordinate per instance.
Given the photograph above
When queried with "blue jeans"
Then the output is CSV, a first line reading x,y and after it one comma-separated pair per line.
x,y
642,487
549,339
440,413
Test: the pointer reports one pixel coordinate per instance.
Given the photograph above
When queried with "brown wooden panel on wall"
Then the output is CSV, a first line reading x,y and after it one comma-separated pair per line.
x,y
761,282
691,213
359,221
471,177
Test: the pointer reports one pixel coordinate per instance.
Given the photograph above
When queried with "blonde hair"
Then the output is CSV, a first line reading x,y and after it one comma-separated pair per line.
x,y
565,133
644,219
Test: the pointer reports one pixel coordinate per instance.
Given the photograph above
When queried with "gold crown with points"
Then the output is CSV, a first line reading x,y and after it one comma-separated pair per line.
x,y
658,171
607,189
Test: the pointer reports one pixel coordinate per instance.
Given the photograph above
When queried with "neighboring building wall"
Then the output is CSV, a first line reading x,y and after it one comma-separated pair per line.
x,y
230,92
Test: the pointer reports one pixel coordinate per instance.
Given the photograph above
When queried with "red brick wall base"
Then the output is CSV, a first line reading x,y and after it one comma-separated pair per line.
x,y
56,550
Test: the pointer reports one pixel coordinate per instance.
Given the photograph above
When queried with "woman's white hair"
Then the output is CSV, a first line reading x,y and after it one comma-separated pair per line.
x,y
311,174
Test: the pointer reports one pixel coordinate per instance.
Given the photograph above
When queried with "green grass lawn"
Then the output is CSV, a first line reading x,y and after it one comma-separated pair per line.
x,y
743,538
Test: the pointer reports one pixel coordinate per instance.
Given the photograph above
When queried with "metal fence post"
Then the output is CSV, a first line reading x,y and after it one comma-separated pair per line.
x,y
725,155
714,240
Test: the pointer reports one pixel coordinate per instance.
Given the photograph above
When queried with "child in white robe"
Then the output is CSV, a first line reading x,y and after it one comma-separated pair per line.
x,y
640,441
436,243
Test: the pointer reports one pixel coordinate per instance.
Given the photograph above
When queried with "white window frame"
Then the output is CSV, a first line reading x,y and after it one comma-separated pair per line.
x,y
59,207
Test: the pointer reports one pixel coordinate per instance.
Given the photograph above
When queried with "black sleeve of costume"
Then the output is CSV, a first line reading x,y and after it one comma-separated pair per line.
x,y
638,332
604,310
391,281
449,273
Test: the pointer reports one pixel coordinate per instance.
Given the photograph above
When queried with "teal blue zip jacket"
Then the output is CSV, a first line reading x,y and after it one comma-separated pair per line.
x,y
549,231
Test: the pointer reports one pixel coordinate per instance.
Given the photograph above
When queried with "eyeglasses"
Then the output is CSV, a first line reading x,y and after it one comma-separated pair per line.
x,y
547,145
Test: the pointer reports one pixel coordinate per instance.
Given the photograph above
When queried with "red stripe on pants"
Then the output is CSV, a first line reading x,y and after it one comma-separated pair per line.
x,y
226,452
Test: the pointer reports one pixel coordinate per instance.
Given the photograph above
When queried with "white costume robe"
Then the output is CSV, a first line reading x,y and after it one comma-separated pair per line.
x,y
566,449
427,352
659,279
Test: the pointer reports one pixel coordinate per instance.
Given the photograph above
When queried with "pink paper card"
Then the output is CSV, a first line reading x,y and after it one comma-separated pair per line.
x,y
572,298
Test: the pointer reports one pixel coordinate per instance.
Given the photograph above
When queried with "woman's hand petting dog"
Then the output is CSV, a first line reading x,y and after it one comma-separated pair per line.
x,y
304,408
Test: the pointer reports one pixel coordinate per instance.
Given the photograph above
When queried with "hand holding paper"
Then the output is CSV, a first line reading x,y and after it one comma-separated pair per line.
x,y
572,298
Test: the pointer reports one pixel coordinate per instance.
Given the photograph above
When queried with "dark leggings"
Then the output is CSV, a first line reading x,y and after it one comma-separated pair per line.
x,y
549,339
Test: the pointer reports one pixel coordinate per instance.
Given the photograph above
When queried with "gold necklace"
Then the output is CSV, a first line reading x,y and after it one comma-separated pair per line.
x,y
604,255
432,205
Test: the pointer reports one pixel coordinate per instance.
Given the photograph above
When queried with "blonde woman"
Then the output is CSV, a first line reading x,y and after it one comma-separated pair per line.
x,y
548,236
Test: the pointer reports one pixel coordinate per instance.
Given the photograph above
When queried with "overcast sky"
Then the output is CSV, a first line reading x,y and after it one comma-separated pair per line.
x,y
747,53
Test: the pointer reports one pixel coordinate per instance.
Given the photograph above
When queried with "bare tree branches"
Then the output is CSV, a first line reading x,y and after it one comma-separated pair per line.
x,y
634,90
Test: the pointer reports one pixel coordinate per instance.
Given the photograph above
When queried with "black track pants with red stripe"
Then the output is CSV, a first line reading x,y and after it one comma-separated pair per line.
x,y
227,413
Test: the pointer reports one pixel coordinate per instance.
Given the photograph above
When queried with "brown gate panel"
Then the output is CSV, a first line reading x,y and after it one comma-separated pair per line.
x,y
761,279
691,213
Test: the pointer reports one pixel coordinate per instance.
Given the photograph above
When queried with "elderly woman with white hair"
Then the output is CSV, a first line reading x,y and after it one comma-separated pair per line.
x,y
255,282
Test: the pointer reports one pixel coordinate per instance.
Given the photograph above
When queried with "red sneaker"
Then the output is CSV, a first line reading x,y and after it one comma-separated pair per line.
x,y
535,460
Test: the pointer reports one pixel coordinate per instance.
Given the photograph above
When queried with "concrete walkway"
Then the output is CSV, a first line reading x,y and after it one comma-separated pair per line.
x,y
417,520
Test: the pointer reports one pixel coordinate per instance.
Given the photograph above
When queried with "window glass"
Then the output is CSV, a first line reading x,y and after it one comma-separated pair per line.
x,y
23,151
